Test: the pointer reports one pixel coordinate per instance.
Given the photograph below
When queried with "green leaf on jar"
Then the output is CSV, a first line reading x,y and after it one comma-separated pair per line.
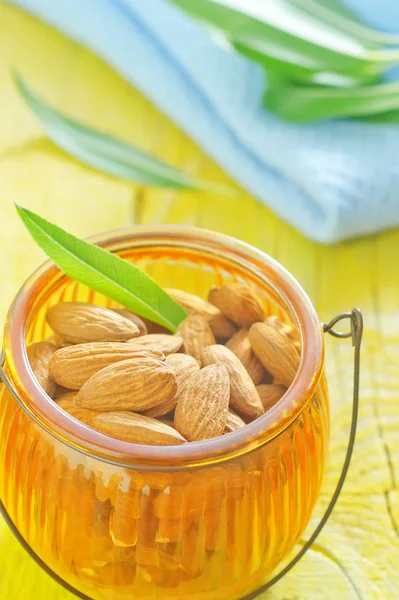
x,y
104,272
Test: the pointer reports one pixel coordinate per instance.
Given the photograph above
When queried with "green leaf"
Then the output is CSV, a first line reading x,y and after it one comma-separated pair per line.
x,y
104,272
313,103
338,8
285,33
334,13
391,116
304,67
109,154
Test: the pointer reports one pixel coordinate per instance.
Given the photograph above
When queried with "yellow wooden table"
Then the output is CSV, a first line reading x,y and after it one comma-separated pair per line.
x,y
357,556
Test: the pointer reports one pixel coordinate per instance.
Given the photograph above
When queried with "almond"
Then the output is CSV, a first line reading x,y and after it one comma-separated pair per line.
x,y
67,395
135,428
67,402
240,345
39,355
80,322
270,394
238,302
234,422
72,366
131,316
168,344
244,397
197,335
201,412
183,367
222,327
275,350
288,330
135,384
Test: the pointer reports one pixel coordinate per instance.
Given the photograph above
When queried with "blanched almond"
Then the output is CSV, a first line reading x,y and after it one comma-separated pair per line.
x,y
201,412
197,335
67,402
168,344
238,302
80,322
222,327
137,428
39,355
240,345
135,384
234,422
275,350
270,394
244,397
183,367
72,366
131,316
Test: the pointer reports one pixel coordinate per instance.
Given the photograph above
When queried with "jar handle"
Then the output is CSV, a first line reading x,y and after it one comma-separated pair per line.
x,y
355,333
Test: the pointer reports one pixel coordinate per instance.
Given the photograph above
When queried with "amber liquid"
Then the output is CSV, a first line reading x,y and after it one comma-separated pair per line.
x,y
119,533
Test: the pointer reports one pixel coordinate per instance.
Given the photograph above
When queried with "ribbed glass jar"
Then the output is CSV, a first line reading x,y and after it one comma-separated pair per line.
x,y
208,520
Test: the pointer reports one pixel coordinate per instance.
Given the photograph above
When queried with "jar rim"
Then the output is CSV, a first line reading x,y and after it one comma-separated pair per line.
x,y
39,406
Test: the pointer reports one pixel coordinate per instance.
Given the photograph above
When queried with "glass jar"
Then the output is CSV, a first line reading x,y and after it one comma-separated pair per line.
x,y
207,520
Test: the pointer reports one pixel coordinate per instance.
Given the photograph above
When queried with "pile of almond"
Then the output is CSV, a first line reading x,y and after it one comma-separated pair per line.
x,y
130,379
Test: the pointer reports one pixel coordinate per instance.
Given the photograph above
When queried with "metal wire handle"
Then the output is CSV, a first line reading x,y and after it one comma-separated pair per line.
x,y
355,333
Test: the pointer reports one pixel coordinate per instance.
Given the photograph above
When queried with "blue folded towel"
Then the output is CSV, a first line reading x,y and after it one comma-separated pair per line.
x,y
331,180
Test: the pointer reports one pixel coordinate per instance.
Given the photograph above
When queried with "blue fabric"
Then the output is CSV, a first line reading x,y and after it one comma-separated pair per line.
x,y
331,180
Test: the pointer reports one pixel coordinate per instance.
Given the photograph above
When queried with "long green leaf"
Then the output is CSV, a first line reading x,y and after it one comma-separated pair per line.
x,y
391,116
339,9
330,11
284,32
104,272
313,103
108,154
305,67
